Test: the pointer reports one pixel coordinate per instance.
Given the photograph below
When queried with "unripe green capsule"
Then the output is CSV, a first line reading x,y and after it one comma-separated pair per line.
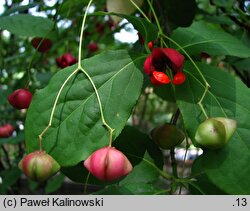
x,y
39,166
214,133
167,136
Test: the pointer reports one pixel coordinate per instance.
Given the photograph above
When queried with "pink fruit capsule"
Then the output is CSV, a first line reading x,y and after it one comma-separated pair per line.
x,y
20,99
38,166
6,130
108,164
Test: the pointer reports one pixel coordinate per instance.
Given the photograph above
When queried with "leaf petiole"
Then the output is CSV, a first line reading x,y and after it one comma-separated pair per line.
x,y
111,130
207,86
54,107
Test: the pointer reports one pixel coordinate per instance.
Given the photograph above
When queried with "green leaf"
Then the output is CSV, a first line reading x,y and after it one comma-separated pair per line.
x,y
9,178
243,64
224,3
227,97
174,9
26,25
202,185
20,8
144,155
165,92
121,6
148,30
131,189
80,174
218,20
202,37
140,149
77,129
69,8
13,140
54,183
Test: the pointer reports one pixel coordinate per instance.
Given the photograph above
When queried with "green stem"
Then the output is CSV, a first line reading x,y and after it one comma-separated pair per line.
x,y
32,59
162,173
196,187
139,9
81,35
184,161
54,107
173,163
86,184
201,100
155,16
111,130
144,109
207,86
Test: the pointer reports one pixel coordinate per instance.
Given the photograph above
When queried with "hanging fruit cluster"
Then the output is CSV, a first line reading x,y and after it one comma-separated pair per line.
x,y
164,65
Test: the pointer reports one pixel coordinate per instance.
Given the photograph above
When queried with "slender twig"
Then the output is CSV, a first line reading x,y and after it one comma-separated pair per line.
x,y
111,130
162,173
164,17
173,162
155,17
175,117
143,110
184,161
81,35
139,9
86,183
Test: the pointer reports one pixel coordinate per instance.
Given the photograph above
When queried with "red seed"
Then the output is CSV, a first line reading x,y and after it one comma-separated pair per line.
x,y
159,78
151,45
179,78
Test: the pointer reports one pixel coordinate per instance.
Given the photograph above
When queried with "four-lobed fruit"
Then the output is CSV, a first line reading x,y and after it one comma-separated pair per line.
x,y
65,60
108,164
214,133
41,44
39,166
20,99
162,60
167,136
6,130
